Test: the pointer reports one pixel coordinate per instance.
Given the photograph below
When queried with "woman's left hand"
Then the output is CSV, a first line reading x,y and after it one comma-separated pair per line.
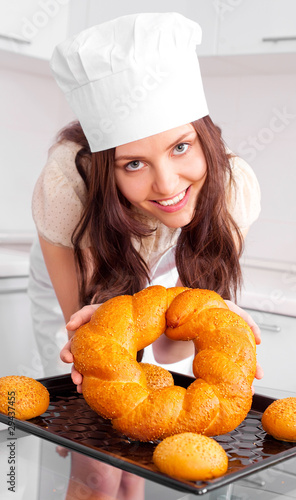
x,y
254,327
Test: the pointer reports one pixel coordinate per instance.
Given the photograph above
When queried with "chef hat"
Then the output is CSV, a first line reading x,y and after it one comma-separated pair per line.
x,y
132,77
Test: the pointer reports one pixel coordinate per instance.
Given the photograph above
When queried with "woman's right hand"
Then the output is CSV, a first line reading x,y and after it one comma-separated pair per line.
x,y
77,319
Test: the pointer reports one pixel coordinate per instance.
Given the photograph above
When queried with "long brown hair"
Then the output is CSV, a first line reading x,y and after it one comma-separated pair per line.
x,y
208,248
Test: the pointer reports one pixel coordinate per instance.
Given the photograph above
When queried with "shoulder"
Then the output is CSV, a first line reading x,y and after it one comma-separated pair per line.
x,y
63,151
59,195
60,176
240,168
62,155
243,194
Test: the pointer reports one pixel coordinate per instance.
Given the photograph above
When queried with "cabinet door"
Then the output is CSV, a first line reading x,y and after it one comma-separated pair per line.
x,y
201,11
257,26
19,354
33,27
280,34
277,352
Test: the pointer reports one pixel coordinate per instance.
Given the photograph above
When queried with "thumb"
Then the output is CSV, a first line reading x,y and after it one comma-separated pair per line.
x,y
81,317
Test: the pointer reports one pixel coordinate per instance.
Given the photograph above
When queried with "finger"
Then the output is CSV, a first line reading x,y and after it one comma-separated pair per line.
x,y
254,327
257,332
259,374
76,377
66,354
80,317
63,452
248,319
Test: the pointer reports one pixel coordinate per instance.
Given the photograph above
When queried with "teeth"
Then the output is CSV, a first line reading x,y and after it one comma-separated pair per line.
x,y
172,201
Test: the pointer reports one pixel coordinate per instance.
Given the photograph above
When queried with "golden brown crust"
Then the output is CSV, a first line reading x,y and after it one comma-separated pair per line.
x,y
156,376
192,457
119,388
279,419
22,397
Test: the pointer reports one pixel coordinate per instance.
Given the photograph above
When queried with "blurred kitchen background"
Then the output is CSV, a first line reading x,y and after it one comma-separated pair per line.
x,y
248,62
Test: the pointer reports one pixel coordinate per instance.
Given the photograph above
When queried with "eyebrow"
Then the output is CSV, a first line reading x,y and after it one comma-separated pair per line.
x,y
140,157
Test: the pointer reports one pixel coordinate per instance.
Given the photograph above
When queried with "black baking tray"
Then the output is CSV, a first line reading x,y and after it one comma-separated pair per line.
x,y
71,423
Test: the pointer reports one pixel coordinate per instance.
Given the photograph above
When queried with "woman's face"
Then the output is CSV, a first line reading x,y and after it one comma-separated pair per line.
x,y
162,175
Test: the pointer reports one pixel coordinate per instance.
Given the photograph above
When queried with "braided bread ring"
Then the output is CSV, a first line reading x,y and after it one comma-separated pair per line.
x,y
114,384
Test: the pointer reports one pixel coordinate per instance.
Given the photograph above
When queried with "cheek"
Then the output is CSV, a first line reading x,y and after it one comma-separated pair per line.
x,y
196,172
130,187
201,169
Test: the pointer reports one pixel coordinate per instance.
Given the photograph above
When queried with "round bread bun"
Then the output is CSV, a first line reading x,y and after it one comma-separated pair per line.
x,y
157,377
279,419
189,456
22,397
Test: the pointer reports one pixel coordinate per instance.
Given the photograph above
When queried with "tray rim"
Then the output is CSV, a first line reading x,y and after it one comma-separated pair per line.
x,y
198,488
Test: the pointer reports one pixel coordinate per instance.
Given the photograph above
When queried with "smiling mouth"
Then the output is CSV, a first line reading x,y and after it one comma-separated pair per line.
x,y
172,201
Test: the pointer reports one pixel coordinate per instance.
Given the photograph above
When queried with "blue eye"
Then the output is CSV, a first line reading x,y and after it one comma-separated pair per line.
x,y
134,165
181,148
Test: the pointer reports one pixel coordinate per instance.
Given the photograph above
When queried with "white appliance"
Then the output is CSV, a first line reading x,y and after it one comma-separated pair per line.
x,y
18,353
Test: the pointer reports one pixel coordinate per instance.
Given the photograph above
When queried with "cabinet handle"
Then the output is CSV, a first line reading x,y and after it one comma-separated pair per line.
x,y
279,39
19,289
14,38
256,482
271,328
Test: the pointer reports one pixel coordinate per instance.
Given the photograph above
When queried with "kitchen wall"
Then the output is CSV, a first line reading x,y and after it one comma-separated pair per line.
x,y
32,110
257,113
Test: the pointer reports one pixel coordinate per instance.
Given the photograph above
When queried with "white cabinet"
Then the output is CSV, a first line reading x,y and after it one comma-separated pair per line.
x,y
28,455
33,27
277,352
98,11
229,26
256,26
19,354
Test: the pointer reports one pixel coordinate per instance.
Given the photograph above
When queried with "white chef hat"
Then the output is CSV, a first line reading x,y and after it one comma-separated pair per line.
x,y
132,77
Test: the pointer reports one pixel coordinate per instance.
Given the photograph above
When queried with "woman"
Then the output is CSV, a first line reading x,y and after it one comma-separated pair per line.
x,y
141,190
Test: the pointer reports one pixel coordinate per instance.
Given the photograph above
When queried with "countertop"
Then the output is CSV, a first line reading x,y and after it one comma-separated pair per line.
x,y
268,285
14,253
13,262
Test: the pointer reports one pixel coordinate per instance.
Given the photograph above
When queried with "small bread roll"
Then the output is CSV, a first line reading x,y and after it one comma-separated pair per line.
x,y
190,456
157,377
279,419
22,397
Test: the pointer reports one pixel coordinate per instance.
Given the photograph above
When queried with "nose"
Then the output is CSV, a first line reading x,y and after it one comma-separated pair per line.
x,y
165,180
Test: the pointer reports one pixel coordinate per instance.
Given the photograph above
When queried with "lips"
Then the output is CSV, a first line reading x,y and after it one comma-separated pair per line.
x,y
172,201
173,204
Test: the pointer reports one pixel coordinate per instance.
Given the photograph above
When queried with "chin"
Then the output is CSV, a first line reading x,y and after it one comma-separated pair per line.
x,y
177,223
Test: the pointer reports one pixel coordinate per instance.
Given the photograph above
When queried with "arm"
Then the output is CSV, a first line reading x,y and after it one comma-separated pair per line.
x,y
61,268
